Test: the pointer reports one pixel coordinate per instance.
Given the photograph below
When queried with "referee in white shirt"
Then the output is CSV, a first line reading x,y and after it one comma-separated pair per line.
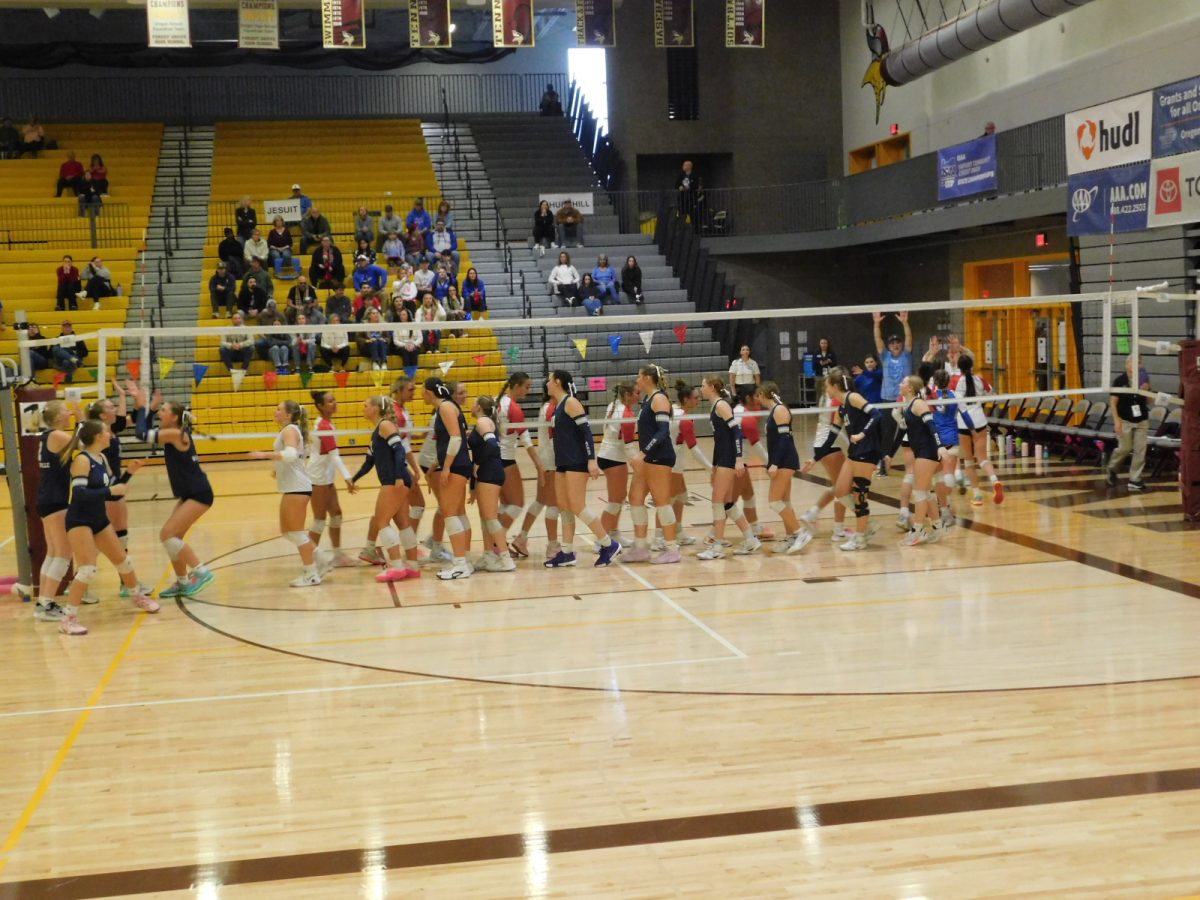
x,y
744,374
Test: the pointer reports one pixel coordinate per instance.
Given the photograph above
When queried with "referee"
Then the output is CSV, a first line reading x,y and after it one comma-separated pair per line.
x,y
744,374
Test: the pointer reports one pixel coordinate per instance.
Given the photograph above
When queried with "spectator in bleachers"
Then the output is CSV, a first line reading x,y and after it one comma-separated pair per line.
x,y
474,292
449,263
446,213
39,357
568,225
455,309
304,346
543,227
69,284
70,175
947,357
97,281
374,343
305,203
631,279
99,172
824,359
369,280
419,217
405,288
222,292
246,219
364,226
335,345
364,248
424,276
33,138
441,284
441,241
388,222
393,250
89,195
564,280
744,374
279,242
363,304
550,104
262,276
229,251
327,268
277,347
237,348
314,227
430,311
605,277
301,298
896,364
256,248
414,246
590,295
10,138
688,185
69,352
407,342
338,304
393,310
252,298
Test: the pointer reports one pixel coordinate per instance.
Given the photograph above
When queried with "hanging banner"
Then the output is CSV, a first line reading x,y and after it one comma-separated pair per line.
x,y
673,24
428,24
342,25
167,21
1111,134
1175,191
595,23
258,24
1177,118
512,23
745,25
582,202
967,169
1111,198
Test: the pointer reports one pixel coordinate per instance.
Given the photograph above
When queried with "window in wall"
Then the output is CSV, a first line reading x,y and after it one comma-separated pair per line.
x,y
683,83
588,68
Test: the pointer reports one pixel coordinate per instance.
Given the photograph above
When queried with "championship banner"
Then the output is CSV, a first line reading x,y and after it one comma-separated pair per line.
x,y
1177,118
967,169
428,24
342,25
167,22
512,23
745,24
1116,199
1111,134
673,24
258,24
1175,191
595,23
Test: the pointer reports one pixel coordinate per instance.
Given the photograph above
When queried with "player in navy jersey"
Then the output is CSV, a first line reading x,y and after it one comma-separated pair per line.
x,y
928,451
854,481
189,485
88,528
782,463
53,496
829,449
945,418
487,485
652,466
727,459
454,473
574,463
387,457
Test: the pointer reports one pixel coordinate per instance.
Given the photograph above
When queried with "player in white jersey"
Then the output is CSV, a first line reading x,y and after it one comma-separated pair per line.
x,y
546,499
616,447
513,434
829,449
973,428
325,463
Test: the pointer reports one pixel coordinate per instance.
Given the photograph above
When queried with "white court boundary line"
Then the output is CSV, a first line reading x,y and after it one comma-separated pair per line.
x,y
662,595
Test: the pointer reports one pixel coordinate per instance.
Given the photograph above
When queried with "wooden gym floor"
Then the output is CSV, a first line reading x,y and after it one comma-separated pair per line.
x,y
1011,712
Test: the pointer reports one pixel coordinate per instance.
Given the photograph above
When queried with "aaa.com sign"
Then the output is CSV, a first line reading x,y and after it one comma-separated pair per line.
x,y
1109,200
1175,190
1111,134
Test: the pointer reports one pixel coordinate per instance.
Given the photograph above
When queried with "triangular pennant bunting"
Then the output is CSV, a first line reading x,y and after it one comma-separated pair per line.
x,y
581,346
479,359
198,373
614,343
305,378
270,378
165,366
377,378
513,354
58,377
238,376
445,366
342,378
680,333
135,369
94,374
647,339
410,371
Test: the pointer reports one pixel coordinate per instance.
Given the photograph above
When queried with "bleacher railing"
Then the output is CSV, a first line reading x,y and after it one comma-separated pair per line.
x,y
45,226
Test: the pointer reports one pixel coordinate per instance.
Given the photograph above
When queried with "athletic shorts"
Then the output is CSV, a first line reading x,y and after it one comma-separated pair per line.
x,y
819,453
95,525
573,467
297,493
48,509
869,455
964,433
606,464
466,472
508,462
203,497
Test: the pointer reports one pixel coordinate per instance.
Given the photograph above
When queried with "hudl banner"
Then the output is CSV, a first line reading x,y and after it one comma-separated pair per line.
x,y
595,23
967,169
429,23
745,24
1111,134
258,24
342,24
167,22
1175,190
1177,118
512,23
1117,198
673,24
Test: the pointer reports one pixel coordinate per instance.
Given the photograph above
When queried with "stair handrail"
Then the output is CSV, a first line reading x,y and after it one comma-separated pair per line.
x,y
167,232
175,225
526,303
470,193
445,107
508,263
500,232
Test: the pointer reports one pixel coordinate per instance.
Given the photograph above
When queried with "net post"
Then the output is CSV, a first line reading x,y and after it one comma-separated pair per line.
x,y
1134,333
101,366
1107,339
12,470
145,380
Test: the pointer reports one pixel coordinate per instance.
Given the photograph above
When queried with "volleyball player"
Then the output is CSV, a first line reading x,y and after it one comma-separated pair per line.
x,y
652,466
618,444
546,499
862,431
387,457
412,510
683,436
295,487
782,463
88,529
189,486
745,485
926,443
512,434
900,446
427,463
53,497
829,449
727,458
486,486
574,463
114,415
454,473
973,430
324,465
945,419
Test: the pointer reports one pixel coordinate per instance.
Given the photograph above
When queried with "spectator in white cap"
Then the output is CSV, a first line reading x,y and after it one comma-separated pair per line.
x,y
305,203
369,279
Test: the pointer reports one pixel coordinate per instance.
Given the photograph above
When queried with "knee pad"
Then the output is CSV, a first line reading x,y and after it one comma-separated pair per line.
x,y
299,538
465,522
492,525
861,509
948,479
567,518
535,509
920,496
86,574
666,517
613,509
847,500
778,506
174,546
733,512
55,567
862,487
414,515
749,504
126,565
680,498
718,511
511,510
453,526
317,526
408,538
908,479
335,521
389,537
123,537
552,512
639,515
586,516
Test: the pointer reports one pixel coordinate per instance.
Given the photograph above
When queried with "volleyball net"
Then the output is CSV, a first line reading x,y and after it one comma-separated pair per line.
x,y
1057,348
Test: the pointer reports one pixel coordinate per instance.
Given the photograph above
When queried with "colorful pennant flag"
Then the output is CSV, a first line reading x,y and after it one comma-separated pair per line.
x,y
165,366
198,373
581,346
513,354
410,371
445,366
305,377
614,343
94,374
270,378
647,339
480,359
134,367
58,377
238,376
377,378
342,378
680,333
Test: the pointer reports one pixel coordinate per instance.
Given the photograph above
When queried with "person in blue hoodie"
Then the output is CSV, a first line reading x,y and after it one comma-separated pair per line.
x,y
605,277
868,380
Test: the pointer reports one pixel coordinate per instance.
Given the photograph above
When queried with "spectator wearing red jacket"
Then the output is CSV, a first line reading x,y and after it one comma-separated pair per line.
x,y
68,282
70,175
